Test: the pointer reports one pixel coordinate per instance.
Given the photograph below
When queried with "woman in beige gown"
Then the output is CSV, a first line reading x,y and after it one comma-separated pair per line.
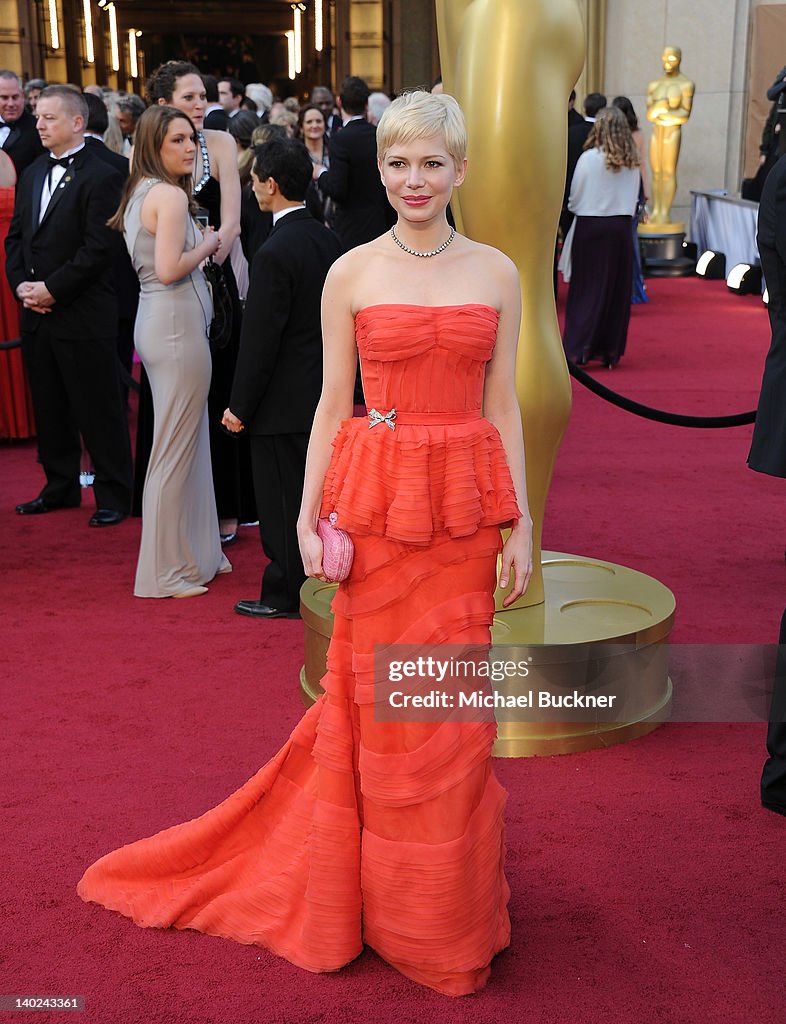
x,y
181,549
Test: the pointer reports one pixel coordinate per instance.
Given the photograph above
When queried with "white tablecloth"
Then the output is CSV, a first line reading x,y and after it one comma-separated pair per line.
x,y
725,224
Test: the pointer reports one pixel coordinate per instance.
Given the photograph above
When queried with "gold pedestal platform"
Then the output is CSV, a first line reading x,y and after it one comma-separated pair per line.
x,y
593,611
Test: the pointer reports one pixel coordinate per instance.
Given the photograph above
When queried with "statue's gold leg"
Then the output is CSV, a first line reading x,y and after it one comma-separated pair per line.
x,y
527,57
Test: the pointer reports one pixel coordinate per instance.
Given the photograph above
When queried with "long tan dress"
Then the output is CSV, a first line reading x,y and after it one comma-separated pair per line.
x,y
180,547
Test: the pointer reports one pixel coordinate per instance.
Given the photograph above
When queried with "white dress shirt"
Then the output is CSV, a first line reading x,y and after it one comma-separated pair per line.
x,y
53,180
5,131
282,213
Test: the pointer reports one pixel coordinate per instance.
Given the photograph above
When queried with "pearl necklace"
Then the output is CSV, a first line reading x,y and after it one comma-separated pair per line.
x,y
424,255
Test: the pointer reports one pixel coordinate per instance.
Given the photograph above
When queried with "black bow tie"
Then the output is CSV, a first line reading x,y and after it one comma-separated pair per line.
x,y
59,161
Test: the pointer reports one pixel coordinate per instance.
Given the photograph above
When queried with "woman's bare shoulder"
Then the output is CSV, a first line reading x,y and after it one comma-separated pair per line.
x,y
220,142
163,195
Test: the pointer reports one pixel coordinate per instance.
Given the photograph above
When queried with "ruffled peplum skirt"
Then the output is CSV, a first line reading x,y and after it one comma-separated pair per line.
x,y
358,830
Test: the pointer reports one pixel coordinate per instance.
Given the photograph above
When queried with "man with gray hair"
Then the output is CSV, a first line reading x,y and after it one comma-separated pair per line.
x,y
59,265
18,135
128,110
263,98
378,102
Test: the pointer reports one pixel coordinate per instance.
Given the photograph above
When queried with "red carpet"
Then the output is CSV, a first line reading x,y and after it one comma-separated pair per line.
x,y
646,879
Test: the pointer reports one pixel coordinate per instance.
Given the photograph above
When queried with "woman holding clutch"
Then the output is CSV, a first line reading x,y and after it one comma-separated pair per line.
x,y
364,830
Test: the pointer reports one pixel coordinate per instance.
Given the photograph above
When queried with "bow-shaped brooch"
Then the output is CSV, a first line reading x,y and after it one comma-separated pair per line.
x,y
388,419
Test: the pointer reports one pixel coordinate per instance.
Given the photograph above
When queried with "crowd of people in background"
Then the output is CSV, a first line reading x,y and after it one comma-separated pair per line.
x,y
194,173
230,125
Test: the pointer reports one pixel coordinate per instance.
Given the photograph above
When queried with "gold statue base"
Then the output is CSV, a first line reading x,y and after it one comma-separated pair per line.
x,y
589,603
673,228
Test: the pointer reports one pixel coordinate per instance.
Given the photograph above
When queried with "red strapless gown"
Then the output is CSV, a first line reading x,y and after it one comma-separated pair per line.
x,y
358,831
16,405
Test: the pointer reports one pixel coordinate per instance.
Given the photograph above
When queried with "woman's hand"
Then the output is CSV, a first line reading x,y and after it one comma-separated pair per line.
x,y
517,555
311,552
211,241
221,252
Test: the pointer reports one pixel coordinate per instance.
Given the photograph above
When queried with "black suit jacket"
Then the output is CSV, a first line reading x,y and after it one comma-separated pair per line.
x,y
103,152
278,378
362,209
255,224
768,445
71,249
333,125
577,136
125,277
217,120
23,144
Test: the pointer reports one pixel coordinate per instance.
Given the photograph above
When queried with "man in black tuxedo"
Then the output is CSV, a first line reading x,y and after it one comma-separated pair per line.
x,y
95,129
59,265
125,279
578,134
216,118
18,135
768,445
353,182
278,378
574,117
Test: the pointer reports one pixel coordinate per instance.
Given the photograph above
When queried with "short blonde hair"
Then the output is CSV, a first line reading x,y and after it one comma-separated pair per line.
x,y
419,115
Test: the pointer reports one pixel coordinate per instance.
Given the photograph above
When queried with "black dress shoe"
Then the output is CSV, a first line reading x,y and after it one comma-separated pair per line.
x,y
106,517
227,539
258,610
778,808
38,506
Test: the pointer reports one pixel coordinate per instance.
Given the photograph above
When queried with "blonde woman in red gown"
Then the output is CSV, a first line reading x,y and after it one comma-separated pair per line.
x,y
16,405
362,831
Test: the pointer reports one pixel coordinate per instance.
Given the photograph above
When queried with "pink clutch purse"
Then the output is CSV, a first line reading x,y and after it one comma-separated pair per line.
x,y
337,549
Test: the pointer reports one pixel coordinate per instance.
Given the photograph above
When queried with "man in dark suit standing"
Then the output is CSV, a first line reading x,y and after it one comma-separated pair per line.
x,y
58,262
18,135
768,445
125,279
95,129
353,182
574,117
278,379
216,118
578,134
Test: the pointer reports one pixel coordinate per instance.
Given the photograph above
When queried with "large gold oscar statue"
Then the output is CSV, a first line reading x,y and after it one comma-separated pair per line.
x,y
511,65
669,103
